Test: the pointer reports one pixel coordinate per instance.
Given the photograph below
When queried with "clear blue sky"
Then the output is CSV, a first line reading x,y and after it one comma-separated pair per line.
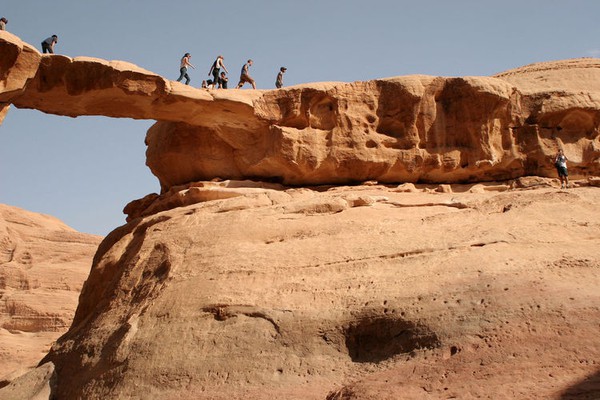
x,y
84,170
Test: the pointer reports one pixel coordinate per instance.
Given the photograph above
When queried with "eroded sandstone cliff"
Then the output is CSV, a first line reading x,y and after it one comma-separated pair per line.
x,y
43,264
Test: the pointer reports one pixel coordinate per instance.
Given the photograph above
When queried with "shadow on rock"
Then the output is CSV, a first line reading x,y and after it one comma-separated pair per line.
x,y
587,389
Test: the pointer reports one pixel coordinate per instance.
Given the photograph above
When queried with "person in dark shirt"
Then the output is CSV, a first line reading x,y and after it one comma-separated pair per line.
x,y
223,81
245,76
279,81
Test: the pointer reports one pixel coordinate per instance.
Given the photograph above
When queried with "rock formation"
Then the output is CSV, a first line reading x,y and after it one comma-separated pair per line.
x,y
43,264
365,292
223,288
403,129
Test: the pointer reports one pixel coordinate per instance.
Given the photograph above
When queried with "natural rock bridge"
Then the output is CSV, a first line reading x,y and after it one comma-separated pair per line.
x,y
402,129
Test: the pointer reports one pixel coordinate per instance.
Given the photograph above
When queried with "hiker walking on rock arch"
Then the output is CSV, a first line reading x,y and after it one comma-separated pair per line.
x,y
185,62
3,22
215,69
279,80
245,76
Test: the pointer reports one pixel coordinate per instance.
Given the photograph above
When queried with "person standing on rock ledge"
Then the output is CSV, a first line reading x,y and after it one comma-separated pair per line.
x,y
245,76
48,44
215,69
279,81
185,62
3,22
560,162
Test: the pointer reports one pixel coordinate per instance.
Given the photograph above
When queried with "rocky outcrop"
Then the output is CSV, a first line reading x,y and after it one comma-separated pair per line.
x,y
403,129
43,264
392,130
364,292
38,384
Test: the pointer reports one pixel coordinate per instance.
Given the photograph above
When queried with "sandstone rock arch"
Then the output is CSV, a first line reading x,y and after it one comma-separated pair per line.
x,y
402,129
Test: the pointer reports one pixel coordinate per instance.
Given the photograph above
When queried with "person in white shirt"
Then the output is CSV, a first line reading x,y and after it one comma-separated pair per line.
x,y
560,162
48,44
215,69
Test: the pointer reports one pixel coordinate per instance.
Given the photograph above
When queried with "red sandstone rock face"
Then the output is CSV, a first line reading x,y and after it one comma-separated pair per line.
x,y
43,264
404,129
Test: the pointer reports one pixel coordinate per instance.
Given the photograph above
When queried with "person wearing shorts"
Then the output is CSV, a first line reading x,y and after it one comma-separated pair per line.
x,y
245,76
